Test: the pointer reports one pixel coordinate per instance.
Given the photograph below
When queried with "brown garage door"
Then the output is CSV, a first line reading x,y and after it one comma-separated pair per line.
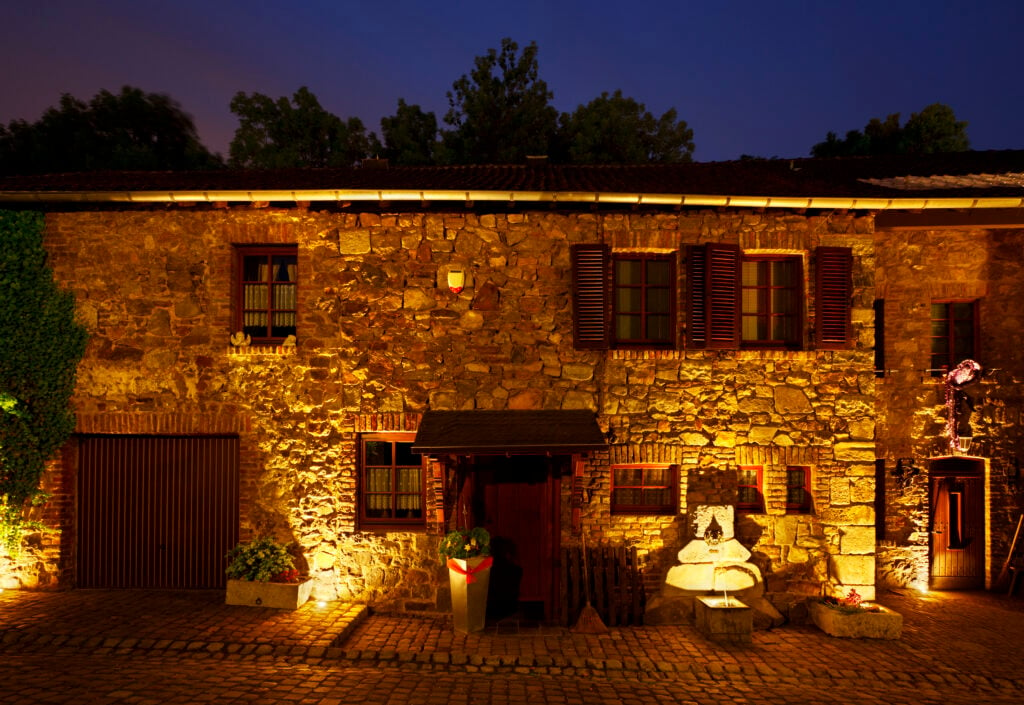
x,y
156,511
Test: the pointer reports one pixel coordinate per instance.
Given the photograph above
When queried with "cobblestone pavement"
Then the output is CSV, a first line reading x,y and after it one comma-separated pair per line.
x,y
175,647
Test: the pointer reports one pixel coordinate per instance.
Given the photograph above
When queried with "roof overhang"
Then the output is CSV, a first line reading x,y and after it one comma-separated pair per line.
x,y
508,432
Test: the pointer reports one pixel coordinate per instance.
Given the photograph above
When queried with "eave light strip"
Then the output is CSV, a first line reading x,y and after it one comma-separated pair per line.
x,y
463,196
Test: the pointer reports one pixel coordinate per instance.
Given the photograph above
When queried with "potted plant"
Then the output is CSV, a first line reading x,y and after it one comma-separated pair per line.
x,y
850,616
261,573
467,553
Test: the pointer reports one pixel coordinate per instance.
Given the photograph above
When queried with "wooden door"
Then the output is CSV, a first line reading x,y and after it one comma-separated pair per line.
x,y
516,500
156,511
957,526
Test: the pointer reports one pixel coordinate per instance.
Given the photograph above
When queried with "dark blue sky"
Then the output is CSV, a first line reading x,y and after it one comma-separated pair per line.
x,y
760,78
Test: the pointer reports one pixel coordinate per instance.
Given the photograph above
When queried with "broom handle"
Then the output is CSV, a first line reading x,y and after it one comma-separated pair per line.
x,y
586,573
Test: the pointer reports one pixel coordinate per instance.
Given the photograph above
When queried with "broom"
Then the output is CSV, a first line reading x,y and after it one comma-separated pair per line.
x,y
589,621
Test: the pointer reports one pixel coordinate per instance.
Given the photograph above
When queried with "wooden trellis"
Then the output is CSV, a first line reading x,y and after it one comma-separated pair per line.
x,y
616,584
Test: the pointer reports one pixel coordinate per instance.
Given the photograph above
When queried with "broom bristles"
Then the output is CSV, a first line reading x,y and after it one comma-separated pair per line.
x,y
589,622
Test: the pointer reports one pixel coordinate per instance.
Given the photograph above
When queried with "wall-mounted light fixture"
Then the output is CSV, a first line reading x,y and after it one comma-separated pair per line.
x,y
456,280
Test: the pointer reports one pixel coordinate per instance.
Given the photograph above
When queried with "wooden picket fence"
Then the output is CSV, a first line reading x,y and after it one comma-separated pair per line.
x,y
615,581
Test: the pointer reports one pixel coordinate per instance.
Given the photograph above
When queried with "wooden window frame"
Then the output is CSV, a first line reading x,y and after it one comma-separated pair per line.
x,y
765,302
645,341
807,505
390,523
242,252
669,508
757,507
950,361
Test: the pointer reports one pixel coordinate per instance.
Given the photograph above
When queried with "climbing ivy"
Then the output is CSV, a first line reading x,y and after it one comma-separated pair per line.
x,y
40,347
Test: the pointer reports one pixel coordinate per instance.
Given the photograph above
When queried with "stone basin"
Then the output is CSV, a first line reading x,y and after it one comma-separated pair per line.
x,y
883,624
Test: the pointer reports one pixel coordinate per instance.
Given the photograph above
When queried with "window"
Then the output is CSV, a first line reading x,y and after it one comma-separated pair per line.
x,y
644,302
266,304
641,489
954,334
750,490
798,490
771,290
391,490
622,300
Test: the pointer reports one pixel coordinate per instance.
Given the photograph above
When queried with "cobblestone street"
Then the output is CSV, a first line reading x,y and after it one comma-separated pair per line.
x,y
109,647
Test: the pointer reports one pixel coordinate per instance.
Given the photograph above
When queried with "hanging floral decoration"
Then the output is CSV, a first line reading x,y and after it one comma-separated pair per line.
x,y
964,374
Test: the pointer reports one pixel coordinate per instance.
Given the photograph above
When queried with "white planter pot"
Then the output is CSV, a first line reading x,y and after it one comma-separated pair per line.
x,y
285,596
469,599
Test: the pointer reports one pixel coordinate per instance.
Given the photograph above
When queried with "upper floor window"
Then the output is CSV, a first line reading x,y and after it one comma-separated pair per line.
x,y
266,303
392,484
644,300
954,334
641,489
771,291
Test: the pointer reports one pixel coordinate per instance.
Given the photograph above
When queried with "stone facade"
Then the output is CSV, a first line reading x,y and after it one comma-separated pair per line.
x,y
915,268
381,340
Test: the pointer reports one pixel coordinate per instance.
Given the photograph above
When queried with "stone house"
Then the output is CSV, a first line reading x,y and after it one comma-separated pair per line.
x,y
355,361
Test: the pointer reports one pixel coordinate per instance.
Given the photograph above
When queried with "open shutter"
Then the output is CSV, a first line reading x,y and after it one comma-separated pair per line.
x,y
834,291
591,296
723,287
696,297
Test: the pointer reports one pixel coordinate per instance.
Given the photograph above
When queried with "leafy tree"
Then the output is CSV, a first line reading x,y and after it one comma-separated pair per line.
x,y
410,136
298,133
40,347
934,129
501,111
619,130
128,130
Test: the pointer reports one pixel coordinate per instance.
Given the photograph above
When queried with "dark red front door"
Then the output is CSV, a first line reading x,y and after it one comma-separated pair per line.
x,y
516,500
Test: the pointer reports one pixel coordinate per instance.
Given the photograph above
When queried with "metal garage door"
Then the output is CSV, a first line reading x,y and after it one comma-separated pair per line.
x,y
156,511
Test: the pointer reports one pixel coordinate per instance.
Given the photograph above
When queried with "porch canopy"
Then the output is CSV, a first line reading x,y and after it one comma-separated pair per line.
x,y
501,432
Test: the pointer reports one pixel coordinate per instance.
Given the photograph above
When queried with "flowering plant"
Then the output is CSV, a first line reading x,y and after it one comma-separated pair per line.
x,y
262,559
853,602
466,543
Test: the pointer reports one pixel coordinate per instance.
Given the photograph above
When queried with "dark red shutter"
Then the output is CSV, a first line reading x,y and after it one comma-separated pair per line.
x,y
723,287
696,297
591,296
834,292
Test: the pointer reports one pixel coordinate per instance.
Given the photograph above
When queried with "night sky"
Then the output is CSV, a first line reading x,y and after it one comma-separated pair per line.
x,y
759,78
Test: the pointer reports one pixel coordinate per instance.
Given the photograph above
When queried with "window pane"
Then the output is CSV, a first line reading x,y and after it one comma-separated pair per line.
x,y
254,268
784,273
963,310
628,327
405,456
408,479
940,310
629,300
656,476
628,476
378,452
785,329
751,299
748,495
659,328
626,497
284,296
659,301
752,274
659,272
284,268
748,477
656,497
629,271
784,301
940,328
378,479
378,506
755,328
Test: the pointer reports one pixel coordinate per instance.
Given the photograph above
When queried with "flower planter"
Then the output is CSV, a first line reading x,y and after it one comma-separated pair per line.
x,y
284,596
883,624
469,579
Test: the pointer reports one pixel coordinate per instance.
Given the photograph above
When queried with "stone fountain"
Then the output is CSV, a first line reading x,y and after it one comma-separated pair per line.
x,y
714,566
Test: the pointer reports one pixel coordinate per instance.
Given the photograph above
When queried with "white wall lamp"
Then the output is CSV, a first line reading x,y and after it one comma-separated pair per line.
x,y
456,280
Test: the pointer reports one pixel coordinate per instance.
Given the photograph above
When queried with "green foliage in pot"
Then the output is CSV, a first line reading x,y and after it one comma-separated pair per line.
x,y
466,543
263,559
41,344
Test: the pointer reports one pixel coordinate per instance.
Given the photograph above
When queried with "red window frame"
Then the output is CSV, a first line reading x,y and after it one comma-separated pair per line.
x,y
638,479
266,305
375,486
645,312
954,334
798,489
764,301
750,489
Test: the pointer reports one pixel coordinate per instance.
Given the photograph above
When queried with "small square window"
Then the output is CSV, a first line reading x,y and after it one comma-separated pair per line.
x,y
954,334
391,483
798,490
644,300
642,489
771,308
266,303
750,490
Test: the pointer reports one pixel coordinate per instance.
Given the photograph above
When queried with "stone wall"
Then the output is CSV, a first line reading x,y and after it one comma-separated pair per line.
x,y
382,339
915,268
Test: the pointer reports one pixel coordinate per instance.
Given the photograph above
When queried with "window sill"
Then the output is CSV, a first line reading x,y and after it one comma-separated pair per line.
x,y
393,528
261,350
